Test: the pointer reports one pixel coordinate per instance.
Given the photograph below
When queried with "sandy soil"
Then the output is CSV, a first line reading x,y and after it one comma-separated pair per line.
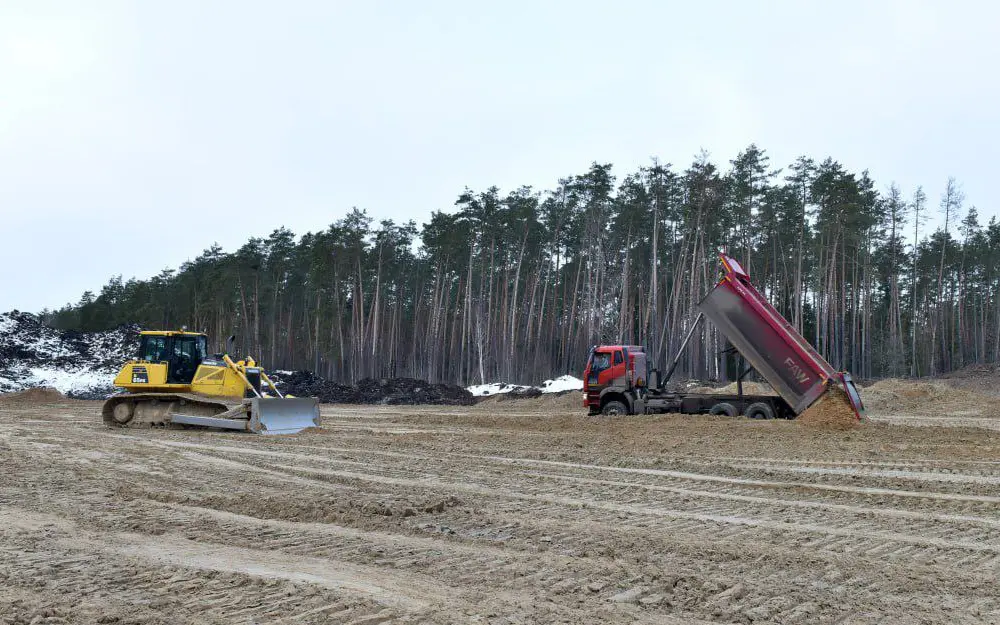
x,y
530,514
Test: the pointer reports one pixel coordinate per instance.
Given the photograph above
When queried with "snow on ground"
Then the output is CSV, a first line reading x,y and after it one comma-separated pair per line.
x,y
559,385
69,382
496,388
84,364
74,363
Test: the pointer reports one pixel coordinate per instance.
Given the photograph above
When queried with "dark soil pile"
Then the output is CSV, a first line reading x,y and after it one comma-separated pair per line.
x,y
308,384
394,391
410,391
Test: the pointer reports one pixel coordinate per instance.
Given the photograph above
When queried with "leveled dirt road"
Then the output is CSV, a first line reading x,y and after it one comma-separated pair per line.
x,y
431,515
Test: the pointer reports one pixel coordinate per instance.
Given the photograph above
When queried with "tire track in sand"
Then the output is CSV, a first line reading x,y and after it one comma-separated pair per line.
x,y
404,592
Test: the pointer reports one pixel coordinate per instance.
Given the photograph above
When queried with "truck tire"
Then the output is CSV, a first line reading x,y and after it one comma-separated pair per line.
x,y
723,408
760,410
614,408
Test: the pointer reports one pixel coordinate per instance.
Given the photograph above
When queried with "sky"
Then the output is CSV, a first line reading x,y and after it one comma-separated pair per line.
x,y
133,135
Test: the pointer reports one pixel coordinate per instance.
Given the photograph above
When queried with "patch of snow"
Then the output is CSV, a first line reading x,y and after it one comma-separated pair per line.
x,y
559,385
67,382
496,388
74,363
562,384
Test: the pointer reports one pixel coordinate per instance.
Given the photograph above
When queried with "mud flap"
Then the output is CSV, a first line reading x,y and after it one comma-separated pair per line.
x,y
271,415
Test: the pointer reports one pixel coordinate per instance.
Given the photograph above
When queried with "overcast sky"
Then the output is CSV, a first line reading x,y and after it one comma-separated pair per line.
x,y
133,135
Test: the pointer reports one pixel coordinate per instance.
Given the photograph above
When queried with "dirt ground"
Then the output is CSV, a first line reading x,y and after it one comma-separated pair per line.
x,y
513,512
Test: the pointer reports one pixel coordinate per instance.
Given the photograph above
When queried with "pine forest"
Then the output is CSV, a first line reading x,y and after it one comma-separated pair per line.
x,y
517,285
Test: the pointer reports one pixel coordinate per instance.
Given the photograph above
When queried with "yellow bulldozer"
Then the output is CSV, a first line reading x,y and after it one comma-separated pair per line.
x,y
173,381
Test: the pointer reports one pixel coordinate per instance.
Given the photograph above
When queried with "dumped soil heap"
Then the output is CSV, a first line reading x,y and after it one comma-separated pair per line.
x,y
42,395
526,393
393,391
832,411
564,402
933,397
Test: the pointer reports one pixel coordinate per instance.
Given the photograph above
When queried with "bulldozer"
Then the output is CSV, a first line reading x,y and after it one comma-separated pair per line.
x,y
174,382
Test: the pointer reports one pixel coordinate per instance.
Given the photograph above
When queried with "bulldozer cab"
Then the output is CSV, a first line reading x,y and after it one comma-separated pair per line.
x,y
181,352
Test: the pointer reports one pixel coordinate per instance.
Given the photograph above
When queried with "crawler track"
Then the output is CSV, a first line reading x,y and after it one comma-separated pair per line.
x,y
143,410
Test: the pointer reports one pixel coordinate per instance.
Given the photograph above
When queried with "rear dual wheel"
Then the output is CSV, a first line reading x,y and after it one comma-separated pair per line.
x,y
758,410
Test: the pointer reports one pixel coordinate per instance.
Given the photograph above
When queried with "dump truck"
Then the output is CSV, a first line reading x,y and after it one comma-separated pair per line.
x,y
619,379
174,382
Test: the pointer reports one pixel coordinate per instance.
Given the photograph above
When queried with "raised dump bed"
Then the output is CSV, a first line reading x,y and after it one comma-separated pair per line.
x,y
770,344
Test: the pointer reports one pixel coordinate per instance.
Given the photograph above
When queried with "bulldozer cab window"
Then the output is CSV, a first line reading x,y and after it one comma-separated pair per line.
x,y
153,348
192,347
188,352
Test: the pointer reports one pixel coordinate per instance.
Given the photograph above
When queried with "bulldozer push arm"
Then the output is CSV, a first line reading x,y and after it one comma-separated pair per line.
x,y
263,376
232,365
270,385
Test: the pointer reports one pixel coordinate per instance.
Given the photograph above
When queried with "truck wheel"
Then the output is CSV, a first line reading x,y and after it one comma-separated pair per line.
x,y
760,410
614,408
723,408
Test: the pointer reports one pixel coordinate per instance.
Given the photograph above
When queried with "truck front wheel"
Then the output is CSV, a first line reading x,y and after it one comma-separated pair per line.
x,y
614,408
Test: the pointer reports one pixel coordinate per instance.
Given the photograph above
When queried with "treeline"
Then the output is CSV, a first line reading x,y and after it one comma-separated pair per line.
x,y
517,286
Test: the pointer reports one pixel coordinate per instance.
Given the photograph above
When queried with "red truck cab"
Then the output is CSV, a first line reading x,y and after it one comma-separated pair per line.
x,y
613,371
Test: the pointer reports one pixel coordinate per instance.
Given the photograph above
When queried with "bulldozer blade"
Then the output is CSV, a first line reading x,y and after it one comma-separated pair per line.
x,y
283,415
